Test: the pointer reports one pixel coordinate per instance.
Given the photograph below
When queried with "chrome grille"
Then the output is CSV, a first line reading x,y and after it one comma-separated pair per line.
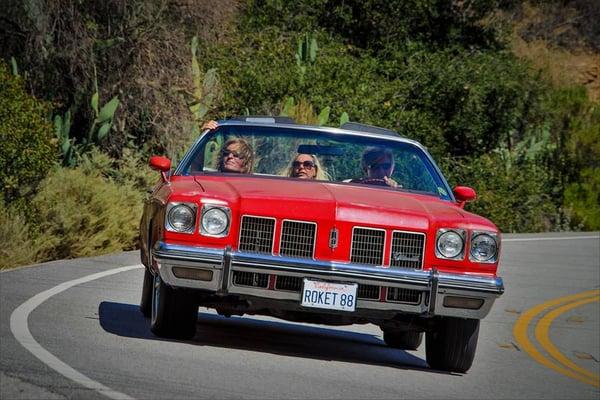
x,y
399,295
368,292
291,283
298,239
241,278
256,234
367,246
407,250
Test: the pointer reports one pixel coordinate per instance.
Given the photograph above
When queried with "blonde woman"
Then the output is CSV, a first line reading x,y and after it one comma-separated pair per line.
x,y
307,166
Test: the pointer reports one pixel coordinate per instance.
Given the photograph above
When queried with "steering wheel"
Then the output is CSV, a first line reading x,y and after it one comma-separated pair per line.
x,y
371,181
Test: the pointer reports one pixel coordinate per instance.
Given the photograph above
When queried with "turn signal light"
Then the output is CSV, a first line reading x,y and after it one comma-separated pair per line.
x,y
193,273
462,302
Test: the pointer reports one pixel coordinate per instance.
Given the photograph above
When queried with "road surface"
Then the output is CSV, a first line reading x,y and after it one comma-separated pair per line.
x,y
72,329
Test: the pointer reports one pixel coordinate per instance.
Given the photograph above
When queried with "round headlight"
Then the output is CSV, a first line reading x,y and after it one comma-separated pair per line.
x,y
181,218
215,221
483,247
450,244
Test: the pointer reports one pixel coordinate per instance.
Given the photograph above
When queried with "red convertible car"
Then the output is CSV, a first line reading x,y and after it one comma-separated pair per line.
x,y
319,225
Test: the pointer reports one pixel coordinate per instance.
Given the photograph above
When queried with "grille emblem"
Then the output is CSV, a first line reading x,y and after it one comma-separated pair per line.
x,y
333,238
398,256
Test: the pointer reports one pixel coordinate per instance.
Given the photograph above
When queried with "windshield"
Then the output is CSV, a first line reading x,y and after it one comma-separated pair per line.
x,y
292,153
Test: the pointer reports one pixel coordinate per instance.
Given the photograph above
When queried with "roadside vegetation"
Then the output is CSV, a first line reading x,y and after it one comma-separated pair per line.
x,y
505,94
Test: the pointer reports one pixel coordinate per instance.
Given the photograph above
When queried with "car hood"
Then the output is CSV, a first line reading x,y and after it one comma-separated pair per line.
x,y
318,201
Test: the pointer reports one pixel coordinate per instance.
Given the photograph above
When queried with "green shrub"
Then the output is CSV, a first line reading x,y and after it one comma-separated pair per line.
x,y
85,214
582,200
510,193
18,246
131,169
28,147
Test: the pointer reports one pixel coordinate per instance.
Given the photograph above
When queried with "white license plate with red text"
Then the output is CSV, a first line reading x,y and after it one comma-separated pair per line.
x,y
332,296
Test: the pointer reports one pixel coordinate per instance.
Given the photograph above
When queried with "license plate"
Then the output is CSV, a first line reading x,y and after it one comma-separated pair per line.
x,y
332,296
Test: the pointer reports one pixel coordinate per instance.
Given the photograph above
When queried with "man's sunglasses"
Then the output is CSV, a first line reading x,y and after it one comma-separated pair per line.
x,y
235,154
306,164
380,166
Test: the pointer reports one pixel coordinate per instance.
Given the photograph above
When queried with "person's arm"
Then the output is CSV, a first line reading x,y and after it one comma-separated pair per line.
x,y
212,124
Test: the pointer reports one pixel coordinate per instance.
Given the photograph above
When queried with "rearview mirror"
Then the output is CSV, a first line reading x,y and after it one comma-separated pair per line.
x,y
464,194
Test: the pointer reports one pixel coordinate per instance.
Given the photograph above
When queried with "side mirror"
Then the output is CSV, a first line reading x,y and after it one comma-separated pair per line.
x,y
464,194
162,164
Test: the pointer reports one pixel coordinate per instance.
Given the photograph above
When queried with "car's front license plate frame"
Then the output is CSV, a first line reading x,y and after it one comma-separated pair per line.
x,y
329,295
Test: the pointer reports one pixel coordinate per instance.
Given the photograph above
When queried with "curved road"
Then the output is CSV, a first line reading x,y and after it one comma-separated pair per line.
x,y
72,329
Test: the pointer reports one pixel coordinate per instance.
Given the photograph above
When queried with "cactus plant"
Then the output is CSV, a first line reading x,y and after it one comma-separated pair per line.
x,y
103,116
62,129
206,86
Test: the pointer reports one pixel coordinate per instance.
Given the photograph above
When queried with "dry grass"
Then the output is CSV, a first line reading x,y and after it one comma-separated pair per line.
x,y
551,42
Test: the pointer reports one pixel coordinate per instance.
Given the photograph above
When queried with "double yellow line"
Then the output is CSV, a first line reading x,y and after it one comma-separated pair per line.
x,y
560,363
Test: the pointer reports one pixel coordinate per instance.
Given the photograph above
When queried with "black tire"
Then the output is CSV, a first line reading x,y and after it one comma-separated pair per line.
x,y
405,340
174,313
451,345
146,301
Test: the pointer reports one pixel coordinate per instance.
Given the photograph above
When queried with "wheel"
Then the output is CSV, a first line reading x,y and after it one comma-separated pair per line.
x,y
146,301
405,340
174,313
451,345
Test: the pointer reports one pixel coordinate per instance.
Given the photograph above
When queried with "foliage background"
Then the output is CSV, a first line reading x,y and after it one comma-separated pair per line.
x,y
504,94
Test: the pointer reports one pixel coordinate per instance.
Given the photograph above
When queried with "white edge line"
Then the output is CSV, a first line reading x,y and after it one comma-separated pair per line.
x,y
20,330
550,238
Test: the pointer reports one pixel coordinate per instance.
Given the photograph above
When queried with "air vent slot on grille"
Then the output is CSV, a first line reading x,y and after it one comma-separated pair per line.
x,y
367,246
241,278
256,234
407,250
291,283
298,239
399,295
368,292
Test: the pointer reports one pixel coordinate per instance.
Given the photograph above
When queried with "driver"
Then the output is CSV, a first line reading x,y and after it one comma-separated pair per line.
x,y
378,164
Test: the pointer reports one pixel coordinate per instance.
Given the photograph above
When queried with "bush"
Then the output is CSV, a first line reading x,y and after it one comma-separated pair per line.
x,y
582,200
85,214
380,24
18,246
28,147
511,193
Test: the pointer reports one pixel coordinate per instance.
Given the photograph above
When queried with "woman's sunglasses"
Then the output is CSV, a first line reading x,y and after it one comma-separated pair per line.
x,y
306,164
235,154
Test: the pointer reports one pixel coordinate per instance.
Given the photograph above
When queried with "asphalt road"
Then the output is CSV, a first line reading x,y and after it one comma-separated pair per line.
x,y
67,333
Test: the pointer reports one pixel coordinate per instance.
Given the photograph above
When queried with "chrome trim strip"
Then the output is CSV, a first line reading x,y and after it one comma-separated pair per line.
x,y
433,290
226,271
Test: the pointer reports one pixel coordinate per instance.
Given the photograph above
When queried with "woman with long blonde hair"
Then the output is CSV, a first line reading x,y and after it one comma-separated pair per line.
x,y
307,166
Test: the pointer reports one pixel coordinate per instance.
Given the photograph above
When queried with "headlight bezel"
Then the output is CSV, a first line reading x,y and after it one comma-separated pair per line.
x,y
206,208
171,206
462,233
494,236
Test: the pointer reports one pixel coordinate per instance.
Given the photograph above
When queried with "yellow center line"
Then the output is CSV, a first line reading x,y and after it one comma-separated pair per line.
x,y
542,335
522,324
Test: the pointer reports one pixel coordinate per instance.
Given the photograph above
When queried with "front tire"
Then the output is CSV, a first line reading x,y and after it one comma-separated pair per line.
x,y
451,345
405,340
146,301
174,313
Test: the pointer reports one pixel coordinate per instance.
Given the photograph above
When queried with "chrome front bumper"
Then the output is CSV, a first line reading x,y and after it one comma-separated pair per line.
x,y
436,286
